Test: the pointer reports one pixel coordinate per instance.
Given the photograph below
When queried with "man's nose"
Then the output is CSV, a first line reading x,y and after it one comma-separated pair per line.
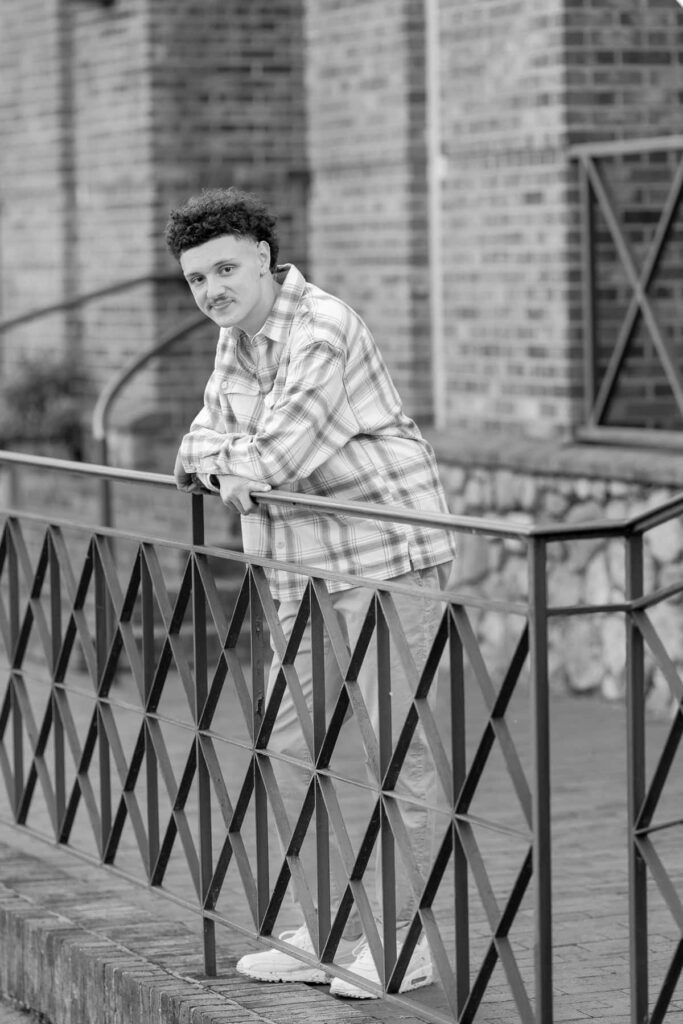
x,y
214,286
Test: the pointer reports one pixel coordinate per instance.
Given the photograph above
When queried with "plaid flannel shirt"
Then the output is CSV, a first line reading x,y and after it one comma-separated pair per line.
x,y
308,405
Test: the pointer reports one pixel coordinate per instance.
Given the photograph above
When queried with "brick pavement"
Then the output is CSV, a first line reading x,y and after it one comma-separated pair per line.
x,y
147,950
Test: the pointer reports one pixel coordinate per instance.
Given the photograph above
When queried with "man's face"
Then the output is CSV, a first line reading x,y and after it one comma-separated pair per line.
x,y
230,281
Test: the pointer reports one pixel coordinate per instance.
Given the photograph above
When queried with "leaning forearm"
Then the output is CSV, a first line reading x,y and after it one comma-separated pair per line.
x,y
208,453
243,458
257,457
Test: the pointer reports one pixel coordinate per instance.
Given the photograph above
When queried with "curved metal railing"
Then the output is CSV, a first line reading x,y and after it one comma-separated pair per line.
x,y
111,391
106,398
83,299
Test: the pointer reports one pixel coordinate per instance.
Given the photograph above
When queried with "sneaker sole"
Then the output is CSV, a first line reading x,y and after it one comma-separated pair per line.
x,y
419,980
308,975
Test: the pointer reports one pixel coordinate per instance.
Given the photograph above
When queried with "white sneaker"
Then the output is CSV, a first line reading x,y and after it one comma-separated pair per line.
x,y
418,974
274,965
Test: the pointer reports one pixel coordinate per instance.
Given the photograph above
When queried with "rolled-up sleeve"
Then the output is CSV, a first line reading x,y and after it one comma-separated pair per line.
x,y
201,437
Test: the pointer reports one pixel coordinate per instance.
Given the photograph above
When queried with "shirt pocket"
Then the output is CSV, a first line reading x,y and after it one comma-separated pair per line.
x,y
242,403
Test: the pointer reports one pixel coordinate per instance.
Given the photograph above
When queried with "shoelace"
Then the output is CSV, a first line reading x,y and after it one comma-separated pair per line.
x,y
297,937
362,954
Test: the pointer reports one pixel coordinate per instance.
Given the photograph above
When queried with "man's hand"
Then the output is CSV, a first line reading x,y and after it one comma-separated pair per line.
x,y
235,493
185,481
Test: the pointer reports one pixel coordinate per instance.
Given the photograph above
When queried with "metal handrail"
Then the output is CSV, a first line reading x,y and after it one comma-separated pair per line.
x,y
281,497
621,147
199,595
502,529
106,398
111,391
187,611
82,299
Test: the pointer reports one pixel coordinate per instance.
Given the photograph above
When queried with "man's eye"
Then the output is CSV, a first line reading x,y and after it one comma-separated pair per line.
x,y
226,270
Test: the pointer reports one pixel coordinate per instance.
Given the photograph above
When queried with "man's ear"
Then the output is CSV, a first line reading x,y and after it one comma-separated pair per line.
x,y
264,255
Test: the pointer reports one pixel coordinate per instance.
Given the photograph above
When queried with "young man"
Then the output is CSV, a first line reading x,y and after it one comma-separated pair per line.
x,y
300,398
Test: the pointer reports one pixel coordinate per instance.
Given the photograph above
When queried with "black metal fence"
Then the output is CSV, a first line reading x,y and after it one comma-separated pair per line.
x,y
134,728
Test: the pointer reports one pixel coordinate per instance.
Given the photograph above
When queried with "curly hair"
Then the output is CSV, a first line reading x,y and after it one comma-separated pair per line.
x,y
221,211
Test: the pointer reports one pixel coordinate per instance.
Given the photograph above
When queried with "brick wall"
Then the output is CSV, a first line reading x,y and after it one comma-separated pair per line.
x,y
31,173
624,69
113,114
76,178
625,80
510,351
228,110
520,81
366,97
228,107
113,174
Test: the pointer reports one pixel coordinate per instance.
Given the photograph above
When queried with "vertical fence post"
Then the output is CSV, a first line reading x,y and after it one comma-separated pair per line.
x,y
102,640
14,487
635,755
17,732
386,743
459,770
322,825
538,655
106,508
588,290
57,724
151,764
106,520
203,777
258,670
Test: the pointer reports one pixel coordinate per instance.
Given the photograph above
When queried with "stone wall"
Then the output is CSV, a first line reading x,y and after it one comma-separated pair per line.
x,y
536,485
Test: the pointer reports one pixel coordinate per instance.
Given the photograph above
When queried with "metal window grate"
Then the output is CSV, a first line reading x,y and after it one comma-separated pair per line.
x,y
630,200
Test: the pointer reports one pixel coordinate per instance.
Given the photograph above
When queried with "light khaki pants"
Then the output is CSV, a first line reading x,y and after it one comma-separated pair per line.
x,y
420,618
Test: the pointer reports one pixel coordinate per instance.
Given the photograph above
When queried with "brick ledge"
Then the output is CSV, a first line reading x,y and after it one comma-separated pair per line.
x,y
499,450
79,943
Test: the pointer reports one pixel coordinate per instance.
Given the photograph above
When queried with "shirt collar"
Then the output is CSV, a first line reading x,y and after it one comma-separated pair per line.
x,y
277,325
280,318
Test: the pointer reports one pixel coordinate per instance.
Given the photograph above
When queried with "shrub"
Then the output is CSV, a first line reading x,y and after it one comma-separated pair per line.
x,y
42,400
